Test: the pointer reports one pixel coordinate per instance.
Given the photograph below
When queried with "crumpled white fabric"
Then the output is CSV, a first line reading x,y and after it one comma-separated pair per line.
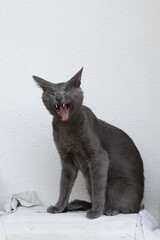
x,y
31,221
25,199
150,226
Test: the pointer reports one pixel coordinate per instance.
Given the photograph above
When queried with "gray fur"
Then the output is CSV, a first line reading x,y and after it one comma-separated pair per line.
x,y
107,157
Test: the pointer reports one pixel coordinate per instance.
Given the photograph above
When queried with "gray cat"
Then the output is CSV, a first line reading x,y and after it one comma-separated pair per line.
x,y
106,156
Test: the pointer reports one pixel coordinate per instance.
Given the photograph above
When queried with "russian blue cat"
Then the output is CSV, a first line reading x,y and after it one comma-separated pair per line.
x,y
106,156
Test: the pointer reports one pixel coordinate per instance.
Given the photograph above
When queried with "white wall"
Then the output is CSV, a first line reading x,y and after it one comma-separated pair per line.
x,y
118,43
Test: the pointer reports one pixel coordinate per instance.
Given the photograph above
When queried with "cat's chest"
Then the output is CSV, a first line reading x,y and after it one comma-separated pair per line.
x,y
70,140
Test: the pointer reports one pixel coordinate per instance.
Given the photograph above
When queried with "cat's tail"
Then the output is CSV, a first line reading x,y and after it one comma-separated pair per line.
x,y
78,205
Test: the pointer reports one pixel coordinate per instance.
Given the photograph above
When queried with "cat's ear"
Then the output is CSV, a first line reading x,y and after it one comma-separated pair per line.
x,y
76,79
43,83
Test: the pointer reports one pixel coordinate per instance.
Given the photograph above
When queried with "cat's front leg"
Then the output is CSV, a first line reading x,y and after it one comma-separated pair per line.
x,y
98,173
68,176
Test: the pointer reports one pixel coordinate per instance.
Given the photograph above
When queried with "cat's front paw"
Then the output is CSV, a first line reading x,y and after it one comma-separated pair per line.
x,y
91,214
53,209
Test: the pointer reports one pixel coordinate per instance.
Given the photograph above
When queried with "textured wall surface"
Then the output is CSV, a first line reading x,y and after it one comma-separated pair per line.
x,y
118,43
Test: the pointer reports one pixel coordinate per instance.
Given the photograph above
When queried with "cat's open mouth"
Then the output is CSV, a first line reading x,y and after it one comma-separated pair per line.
x,y
63,110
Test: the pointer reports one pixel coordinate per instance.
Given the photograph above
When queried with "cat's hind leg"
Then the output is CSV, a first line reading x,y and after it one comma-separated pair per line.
x,y
76,205
122,197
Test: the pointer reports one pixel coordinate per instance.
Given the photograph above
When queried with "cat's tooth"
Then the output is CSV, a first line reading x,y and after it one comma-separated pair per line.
x,y
63,105
56,106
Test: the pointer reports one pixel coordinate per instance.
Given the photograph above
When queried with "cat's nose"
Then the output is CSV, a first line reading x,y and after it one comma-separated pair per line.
x,y
59,97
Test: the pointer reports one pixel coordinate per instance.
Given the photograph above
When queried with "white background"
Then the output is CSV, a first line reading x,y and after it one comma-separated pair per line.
x,y
118,43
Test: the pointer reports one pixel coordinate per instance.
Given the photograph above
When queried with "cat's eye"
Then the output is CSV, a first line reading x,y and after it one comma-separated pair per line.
x,y
67,92
52,94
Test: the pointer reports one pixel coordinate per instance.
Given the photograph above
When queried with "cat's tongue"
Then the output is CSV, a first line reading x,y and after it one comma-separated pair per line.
x,y
64,112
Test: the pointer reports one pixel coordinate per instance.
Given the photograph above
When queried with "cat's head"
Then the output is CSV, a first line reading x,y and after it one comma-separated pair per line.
x,y
62,99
